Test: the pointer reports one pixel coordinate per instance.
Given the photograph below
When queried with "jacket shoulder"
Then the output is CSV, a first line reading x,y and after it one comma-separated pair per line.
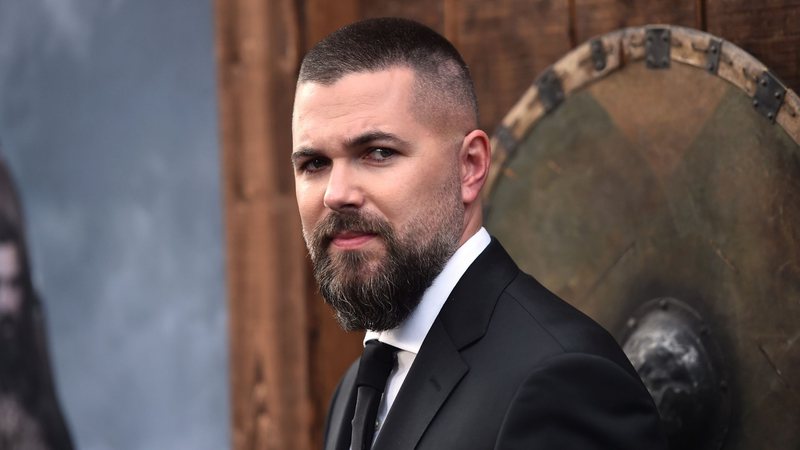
x,y
558,326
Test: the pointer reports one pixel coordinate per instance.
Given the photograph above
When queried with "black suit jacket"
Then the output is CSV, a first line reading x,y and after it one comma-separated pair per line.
x,y
508,365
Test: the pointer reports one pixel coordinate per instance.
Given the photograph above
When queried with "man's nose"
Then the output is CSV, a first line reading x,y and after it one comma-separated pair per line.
x,y
343,190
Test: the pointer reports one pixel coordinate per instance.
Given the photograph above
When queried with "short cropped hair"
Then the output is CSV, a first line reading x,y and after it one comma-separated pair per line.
x,y
372,45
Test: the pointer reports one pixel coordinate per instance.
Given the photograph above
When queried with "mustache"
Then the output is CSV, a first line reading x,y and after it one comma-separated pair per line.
x,y
352,221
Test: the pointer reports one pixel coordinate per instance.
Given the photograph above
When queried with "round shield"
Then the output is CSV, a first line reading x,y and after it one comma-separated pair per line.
x,y
651,178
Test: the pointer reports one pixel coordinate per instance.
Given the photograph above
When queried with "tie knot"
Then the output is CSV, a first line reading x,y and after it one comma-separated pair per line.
x,y
376,363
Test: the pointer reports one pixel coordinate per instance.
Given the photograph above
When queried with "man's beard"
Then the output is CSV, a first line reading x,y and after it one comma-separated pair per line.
x,y
367,292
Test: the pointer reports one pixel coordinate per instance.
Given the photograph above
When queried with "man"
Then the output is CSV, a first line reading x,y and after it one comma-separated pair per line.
x,y
389,165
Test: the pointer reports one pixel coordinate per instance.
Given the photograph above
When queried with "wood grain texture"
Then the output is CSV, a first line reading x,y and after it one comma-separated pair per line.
x,y
507,45
332,351
426,12
769,30
320,18
594,17
257,50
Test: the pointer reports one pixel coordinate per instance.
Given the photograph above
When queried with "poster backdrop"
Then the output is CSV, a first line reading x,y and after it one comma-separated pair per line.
x,y
108,124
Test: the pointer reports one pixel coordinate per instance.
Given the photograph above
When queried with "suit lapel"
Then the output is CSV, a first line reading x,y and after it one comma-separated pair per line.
x,y
436,370
342,409
468,310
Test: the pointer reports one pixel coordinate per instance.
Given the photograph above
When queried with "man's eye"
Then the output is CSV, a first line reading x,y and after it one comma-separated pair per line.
x,y
314,165
380,154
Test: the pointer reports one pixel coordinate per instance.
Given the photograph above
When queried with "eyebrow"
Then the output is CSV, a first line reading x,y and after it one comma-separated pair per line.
x,y
304,153
354,142
371,136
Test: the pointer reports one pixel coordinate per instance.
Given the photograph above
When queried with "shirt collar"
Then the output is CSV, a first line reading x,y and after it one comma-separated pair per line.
x,y
410,334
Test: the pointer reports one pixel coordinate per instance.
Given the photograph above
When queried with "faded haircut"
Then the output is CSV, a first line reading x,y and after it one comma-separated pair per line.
x,y
442,80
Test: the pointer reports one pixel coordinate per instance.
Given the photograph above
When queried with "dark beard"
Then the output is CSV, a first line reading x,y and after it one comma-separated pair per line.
x,y
375,298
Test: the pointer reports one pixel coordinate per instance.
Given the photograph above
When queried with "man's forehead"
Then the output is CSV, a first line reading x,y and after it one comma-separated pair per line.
x,y
393,71
356,102
367,84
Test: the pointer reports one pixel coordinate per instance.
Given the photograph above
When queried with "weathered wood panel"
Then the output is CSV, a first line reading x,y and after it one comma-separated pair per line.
x,y
593,17
507,43
257,49
768,29
332,351
427,12
320,18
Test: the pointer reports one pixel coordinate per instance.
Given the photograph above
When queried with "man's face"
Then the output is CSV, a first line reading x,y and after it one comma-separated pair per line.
x,y
378,192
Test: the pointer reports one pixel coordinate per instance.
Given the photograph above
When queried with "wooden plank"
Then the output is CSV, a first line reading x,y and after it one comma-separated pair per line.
x,y
595,17
426,12
321,18
257,44
769,30
332,351
506,44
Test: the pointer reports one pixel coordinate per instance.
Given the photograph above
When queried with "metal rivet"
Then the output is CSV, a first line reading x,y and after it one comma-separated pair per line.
x,y
713,49
665,38
711,66
763,81
755,103
598,66
770,115
778,95
662,304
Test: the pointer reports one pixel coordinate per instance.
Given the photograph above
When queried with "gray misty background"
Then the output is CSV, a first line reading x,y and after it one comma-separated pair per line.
x,y
108,122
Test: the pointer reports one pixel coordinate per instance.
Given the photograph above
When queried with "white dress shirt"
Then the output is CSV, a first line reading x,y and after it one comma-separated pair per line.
x,y
409,335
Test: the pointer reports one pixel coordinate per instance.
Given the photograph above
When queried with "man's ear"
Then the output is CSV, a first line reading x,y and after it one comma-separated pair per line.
x,y
474,159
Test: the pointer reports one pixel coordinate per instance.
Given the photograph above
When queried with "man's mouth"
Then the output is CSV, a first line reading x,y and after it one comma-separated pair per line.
x,y
349,240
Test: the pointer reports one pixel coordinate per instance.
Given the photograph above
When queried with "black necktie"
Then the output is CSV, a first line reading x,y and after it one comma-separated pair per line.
x,y
373,371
